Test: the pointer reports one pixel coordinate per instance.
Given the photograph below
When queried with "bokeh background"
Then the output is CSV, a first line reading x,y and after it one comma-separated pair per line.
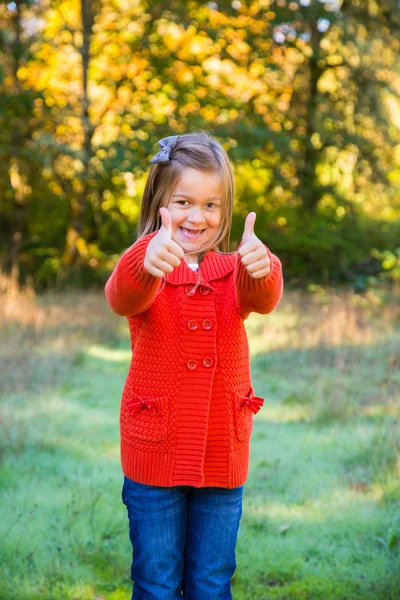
x,y
305,97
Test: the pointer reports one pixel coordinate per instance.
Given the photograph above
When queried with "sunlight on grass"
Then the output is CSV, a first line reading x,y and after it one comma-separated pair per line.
x,y
321,504
320,509
284,414
380,410
328,319
60,410
109,354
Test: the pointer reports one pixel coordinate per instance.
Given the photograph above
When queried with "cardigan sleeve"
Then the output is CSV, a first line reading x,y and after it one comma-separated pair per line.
x,y
131,289
260,295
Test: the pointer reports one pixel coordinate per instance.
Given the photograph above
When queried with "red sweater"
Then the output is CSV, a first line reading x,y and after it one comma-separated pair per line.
x,y
187,406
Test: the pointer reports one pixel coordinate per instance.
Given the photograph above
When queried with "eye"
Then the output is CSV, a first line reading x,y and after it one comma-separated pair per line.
x,y
213,204
180,201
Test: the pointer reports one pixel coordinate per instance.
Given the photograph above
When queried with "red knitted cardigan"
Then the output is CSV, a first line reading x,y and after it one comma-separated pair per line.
x,y
187,406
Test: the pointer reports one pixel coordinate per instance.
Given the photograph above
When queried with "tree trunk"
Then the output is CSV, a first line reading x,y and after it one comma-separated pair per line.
x,y
71,255
11,261
307,172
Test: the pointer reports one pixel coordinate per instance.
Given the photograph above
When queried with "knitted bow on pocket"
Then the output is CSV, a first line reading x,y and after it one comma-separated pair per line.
x,y
138,405
254,403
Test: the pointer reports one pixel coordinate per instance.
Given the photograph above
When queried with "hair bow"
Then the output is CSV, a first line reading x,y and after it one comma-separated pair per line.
x,y
167,145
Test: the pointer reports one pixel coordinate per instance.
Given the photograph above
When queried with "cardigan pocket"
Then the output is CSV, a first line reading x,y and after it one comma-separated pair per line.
x,y
244,409
145,418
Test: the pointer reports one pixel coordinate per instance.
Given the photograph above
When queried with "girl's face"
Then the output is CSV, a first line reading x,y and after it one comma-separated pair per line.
x,y
195,208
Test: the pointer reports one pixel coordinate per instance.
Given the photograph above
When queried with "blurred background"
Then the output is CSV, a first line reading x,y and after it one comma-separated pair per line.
x,y
305,97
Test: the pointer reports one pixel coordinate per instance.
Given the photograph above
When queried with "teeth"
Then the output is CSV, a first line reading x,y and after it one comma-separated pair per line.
x,y
191,232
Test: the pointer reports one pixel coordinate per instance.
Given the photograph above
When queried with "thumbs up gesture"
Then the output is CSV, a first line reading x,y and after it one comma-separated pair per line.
x,y
162,253
253,252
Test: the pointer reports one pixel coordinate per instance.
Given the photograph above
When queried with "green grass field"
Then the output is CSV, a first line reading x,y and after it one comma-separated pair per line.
x,y
321,508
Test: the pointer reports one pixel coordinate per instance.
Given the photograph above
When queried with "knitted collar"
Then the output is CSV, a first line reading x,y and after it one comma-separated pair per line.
x,y
213,266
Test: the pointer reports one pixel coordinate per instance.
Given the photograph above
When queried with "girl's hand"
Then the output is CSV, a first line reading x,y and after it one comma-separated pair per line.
x,y
253,252
162,253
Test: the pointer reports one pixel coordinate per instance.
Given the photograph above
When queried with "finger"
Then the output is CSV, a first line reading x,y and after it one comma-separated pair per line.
x,y
166,220
249,226
262,273
252,257
253,246
175,249
164,266
156,272
170,258
258,265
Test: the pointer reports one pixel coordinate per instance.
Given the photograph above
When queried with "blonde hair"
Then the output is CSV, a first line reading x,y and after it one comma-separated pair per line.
x,y
198,151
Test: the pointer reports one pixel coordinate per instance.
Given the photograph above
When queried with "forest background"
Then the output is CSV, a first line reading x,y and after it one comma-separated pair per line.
x,y
304,95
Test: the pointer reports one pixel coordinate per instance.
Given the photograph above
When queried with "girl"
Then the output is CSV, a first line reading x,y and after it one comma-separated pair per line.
x,y
187,406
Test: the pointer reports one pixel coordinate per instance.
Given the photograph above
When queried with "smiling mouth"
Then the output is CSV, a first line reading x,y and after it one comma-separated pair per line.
x,y
191,233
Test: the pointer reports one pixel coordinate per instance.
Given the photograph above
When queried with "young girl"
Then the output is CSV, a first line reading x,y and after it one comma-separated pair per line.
x,y
187,407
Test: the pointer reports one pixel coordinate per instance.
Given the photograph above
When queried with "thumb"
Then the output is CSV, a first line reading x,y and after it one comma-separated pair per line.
x,y
166,220
249,227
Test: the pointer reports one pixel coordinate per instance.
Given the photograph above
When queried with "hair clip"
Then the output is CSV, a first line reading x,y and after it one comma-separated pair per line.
x,y
167,145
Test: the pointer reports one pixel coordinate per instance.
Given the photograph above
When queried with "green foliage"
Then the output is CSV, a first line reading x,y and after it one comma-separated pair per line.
x,y
390,261
303,95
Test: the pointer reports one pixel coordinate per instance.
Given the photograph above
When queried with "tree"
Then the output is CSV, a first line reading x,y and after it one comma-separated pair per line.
x,y
18,120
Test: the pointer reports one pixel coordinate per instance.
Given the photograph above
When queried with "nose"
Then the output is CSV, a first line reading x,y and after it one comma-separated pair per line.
x,y
196,216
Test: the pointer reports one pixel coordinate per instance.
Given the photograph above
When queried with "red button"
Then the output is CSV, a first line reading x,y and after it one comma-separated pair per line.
x,y
207,324
204,290
191,364
207,361
190,290
192,325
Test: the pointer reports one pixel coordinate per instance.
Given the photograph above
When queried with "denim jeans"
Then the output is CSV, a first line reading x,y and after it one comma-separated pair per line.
x,y
183,540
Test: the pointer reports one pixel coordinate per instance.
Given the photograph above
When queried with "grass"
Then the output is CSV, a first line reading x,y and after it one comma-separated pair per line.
x,y
321,515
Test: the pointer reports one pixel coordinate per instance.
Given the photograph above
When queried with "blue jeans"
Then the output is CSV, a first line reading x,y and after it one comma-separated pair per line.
x,y
183,540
